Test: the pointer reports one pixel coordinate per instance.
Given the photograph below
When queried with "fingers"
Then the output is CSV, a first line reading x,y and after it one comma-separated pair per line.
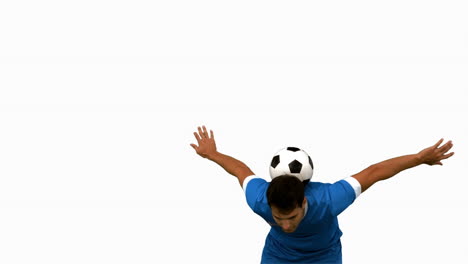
x,y
195,147
438,143
446,147
200,132
205,141
203,132
441,152
446,156
197,137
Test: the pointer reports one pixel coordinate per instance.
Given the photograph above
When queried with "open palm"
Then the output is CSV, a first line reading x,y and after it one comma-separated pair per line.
x,y
206,143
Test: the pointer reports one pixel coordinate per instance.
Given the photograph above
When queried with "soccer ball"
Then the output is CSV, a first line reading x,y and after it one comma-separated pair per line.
x,y
292,161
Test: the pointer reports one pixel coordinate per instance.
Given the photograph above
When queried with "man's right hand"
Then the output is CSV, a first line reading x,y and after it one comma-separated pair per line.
x,y
206,143
207,149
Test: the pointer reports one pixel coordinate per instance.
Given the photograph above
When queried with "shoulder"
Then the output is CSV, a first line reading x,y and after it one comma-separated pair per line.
x,y
354,184
254,182
255,192
318,189
341,194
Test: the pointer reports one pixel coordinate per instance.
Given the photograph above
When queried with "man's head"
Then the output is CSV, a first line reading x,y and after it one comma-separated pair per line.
x,y
285,196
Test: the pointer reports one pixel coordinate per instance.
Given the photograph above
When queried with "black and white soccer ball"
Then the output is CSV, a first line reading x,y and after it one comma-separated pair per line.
x,y
292,161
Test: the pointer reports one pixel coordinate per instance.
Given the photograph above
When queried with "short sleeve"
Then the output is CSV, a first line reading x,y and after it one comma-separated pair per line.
x,y
255,190
355,185
342,194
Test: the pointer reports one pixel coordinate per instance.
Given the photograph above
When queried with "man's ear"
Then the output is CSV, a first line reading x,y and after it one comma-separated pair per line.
x,y
304,202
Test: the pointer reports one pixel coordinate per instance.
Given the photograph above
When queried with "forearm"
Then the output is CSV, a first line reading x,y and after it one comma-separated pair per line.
x,y
231,165
386,169
389,168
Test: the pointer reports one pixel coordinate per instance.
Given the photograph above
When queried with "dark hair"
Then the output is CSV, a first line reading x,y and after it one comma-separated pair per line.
x,y
285,193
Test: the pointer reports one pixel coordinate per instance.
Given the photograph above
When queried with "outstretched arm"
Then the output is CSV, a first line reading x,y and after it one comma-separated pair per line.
x,y
386,169
207,149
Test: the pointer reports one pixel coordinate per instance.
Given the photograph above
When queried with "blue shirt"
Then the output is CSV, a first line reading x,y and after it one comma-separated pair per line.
x,y
317,237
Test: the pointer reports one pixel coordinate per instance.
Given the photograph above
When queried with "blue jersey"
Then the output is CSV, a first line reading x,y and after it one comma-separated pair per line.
x,y
317,237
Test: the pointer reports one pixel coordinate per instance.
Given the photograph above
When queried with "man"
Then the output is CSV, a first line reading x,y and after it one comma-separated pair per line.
x,y
303,217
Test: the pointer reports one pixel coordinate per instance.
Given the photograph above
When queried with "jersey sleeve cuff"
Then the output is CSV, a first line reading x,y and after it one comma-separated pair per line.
x,y
355,185
247,180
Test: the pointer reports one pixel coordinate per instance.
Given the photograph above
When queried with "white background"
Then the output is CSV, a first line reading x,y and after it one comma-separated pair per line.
x,y
99,100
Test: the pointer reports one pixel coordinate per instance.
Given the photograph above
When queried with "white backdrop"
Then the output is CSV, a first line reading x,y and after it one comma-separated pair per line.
x,y
99,100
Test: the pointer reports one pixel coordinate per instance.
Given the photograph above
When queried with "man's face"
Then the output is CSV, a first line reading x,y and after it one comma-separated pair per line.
x,y
289,221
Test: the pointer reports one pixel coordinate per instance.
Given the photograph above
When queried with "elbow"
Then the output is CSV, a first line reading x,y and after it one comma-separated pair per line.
x,y
380,172
242,172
